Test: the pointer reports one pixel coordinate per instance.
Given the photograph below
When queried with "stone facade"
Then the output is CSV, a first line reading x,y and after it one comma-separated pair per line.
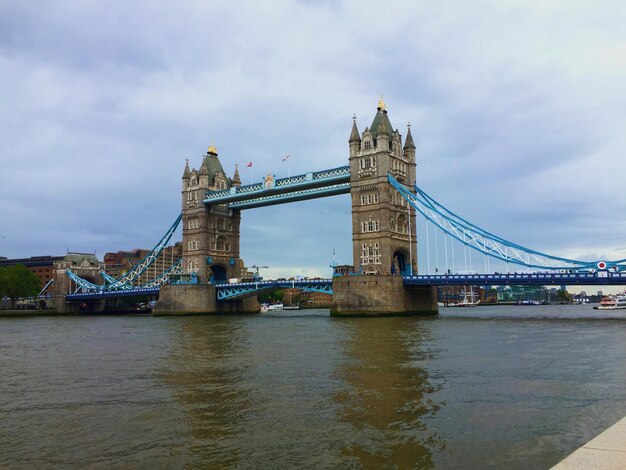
x,y
196,299
381,295
382,225
210,233
84,265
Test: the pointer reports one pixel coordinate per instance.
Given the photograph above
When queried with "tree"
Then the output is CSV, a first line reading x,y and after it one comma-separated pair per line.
x,y
18,281
564,296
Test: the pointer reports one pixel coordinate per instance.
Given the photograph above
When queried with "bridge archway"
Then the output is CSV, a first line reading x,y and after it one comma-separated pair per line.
x,y
218,274
400,263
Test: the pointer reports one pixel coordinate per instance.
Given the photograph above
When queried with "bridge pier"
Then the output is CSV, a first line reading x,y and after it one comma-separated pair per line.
x,y
381,295
189,299
61,305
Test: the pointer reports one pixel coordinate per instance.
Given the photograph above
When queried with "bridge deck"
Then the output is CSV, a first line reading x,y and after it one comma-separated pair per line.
x,y
241,289
294,188
503,279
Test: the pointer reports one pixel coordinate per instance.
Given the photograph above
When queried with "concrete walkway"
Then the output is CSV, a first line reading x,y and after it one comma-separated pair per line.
x,y
606,451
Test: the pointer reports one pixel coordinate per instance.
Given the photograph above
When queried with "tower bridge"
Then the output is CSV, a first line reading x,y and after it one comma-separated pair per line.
x,y
380,179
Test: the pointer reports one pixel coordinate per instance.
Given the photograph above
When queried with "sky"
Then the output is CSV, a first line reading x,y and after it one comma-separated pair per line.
x,y
517,109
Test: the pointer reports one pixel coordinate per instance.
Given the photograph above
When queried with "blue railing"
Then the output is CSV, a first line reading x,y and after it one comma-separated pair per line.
x,y
538,279
299,187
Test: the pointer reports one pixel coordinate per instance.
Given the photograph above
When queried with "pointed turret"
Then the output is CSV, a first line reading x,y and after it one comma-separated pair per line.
x,y
203,175
355,139
236,180
383,129
354,135
186,173
408,143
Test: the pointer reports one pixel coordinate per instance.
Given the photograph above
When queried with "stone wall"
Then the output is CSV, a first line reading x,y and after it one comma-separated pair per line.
x,y
185,298
380,295
181,299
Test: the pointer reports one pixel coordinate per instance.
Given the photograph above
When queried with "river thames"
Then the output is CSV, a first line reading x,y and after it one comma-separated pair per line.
x,y
487,387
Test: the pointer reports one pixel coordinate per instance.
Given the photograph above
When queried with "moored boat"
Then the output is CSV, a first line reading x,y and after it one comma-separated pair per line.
x,y
613,302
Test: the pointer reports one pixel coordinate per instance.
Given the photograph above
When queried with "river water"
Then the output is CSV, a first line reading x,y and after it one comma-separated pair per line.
x,y
486,387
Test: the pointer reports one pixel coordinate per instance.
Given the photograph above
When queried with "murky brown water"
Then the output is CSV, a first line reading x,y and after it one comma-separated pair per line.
x,y
491,387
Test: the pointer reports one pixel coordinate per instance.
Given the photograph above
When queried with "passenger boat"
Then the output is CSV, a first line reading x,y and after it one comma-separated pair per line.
x,y
613,302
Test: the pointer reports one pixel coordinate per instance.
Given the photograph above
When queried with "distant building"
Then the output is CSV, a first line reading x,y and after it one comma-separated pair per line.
x,y
119,263
41,266
521,293
456,294
314,299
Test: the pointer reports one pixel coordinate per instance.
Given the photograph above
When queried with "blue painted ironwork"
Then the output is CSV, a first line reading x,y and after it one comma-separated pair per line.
x,y
105,294
598,278
48,284
243,289
293,196
294,188
83,284
128,278
486,243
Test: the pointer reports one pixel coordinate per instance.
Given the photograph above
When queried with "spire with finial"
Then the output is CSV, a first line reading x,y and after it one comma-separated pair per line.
x,y
381,104
382,128
212,150
354,135
408,143
186,173
203,169
236,179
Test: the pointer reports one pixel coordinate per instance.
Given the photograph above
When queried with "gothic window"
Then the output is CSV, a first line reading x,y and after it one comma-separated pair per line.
x,y
192,265
368,145
220,243
212,243
402,224
369,198
370,253
370,226
220,224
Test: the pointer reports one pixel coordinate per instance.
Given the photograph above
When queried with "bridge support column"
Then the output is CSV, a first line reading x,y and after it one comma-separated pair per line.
x,y
381,295
188,299
61,305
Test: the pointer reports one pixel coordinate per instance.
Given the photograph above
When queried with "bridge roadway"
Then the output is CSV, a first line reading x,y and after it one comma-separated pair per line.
x,y
242,289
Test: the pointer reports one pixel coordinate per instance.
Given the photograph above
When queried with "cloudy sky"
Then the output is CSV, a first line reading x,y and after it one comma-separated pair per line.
x,y
518,110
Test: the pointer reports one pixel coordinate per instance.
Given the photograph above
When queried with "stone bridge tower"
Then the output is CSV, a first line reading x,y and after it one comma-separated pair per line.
x,y
210,233
383,224
383,227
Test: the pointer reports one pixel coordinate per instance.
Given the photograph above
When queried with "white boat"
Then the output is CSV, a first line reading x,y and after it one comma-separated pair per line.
x,y
291,307
275,307
613,302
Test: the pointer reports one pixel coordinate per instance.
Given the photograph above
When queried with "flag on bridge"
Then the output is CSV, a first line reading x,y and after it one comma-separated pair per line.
x,y
249,164
286,158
